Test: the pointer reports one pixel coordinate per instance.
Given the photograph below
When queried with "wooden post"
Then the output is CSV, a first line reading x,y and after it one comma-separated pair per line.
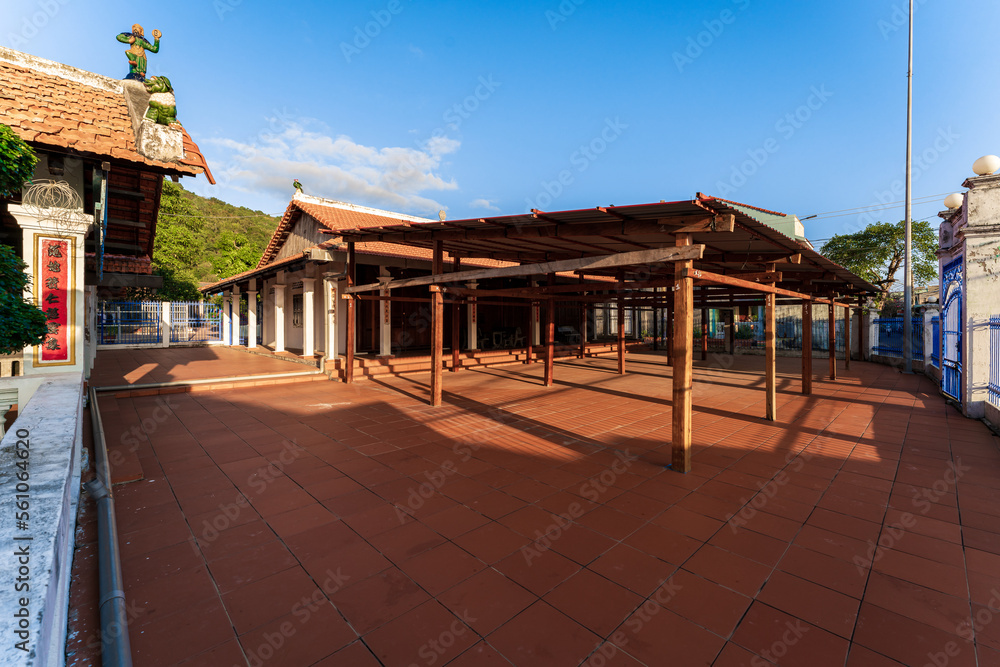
x,y
621,326
550,334
531,332
833,339
456,313
583,325
437,342
847,338
770,371
807,352
683,344
656,325
351,315
704,334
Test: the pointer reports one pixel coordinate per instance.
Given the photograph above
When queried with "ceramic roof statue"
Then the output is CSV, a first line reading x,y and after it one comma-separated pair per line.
x,y
136,53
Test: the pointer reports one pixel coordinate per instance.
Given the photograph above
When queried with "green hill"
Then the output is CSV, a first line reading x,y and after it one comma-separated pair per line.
x,y
202,240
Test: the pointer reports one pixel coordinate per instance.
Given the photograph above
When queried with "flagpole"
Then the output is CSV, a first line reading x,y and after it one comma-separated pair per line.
x,y
908,250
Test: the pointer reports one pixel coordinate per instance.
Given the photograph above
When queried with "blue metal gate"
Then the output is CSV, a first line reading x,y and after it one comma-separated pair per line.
x,y
951,329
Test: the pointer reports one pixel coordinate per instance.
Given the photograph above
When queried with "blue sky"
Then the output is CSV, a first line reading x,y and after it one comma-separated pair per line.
x,y
494,108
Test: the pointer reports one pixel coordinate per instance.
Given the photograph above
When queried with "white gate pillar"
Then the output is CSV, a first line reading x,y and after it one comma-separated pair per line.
x,y
308,317
472,333
252,315
279,317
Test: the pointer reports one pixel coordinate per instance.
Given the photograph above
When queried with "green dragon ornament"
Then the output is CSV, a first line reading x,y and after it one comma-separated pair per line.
x,y
162,107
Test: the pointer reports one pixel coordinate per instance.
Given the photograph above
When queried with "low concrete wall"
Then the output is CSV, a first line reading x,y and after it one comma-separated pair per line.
x,y
40,464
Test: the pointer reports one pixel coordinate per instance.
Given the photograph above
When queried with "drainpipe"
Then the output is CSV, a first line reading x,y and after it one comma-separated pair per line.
x,y
115,648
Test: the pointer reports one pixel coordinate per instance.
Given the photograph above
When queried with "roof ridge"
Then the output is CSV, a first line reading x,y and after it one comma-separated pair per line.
x,y
60,70
333,203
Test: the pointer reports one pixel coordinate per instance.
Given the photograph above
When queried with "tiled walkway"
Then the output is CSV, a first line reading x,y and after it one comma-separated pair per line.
x,y
324,524
180,364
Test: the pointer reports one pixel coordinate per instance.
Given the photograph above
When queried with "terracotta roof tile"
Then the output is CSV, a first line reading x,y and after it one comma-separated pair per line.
x,y
335,215
49,110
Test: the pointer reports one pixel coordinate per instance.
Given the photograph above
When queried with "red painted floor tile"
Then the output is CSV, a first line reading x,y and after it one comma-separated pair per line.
x,y
787,640
441,567
538,571
308,634
653,632
908,641
486,600
731,570
543,636
428,634
372,602
705,603
637,571
491,542
594,601
823,607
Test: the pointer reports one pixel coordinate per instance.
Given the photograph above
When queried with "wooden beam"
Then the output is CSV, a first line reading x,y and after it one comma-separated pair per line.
x,y
758,277
550,335
833,340
638,257
420,234
807,353
706,277
770,354
683,343
437,343
723,222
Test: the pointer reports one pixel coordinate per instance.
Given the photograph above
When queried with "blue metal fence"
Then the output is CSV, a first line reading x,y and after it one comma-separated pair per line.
x,y
994,392
890,337
128,323
195,322
936,352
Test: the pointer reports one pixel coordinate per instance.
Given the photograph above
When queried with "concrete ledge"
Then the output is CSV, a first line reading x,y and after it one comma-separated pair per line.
x,y
40,463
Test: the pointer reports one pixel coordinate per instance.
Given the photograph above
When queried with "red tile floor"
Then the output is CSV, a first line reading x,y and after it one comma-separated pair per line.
x,y
325,524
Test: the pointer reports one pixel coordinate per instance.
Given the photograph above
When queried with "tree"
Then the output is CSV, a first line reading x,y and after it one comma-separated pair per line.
x,y
17,162
876,253
23,323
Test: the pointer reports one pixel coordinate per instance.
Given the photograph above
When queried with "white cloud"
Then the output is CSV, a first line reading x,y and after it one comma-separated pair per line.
x,y
488,204
336,167
417,51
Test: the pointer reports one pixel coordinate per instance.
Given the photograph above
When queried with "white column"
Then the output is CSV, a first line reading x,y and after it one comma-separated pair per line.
x,y
930,312
252,316
872,333
308,319
385,324
279,317
471,317
331,299
227,320
166,313
234,329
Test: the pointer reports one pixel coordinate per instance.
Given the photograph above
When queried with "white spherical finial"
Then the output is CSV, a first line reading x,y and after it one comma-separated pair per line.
x,y
954,200
986,165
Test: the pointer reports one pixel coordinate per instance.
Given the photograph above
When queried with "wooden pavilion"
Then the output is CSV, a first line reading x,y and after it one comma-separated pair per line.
x,y
702,253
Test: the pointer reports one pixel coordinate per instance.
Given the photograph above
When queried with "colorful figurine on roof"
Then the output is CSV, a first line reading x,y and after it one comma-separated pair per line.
x,y
297,185
137,51
162,106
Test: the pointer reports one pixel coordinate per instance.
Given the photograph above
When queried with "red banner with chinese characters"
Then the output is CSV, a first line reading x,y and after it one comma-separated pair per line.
x,y
54,271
